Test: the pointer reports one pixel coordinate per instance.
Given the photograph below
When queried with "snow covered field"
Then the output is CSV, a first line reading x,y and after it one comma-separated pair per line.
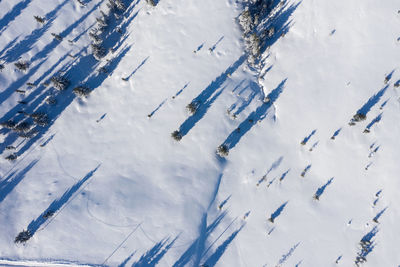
x,y
102,183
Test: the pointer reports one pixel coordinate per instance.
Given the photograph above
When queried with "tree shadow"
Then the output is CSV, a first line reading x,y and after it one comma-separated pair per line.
x,y
136,69
259,114
277,212
54,43
80,72
204,100
321,189
305,140
180,91
372,101
373,122
197,248
13,14
212,48
153,256
12,180
27,43
279,20
240,105
10,44
274,166
58,204
125,262
216,256
367,244
158,107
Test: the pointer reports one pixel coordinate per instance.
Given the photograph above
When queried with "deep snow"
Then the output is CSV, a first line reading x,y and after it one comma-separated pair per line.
x,y
124,192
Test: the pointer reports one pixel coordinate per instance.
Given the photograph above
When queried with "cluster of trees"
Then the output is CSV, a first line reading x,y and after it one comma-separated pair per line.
x,y
255,31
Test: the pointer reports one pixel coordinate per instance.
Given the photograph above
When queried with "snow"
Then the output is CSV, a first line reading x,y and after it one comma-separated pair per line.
x,y
124,192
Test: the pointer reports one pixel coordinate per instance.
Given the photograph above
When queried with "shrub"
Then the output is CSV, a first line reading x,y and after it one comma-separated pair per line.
x,y
81,91
1,67
176,135
22,65
60,82
223,150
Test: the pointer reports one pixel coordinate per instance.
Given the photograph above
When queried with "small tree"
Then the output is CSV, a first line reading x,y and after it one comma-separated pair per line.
x,y
81,91
39,19
23,127
60,82
98,51
10,124
193,106
57,36
51,100
40,118
176,135
11,157
22,65
23,236
223,150
151,2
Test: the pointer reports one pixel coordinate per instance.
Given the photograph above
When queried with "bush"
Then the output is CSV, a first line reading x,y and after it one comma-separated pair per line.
x,y
81,91
176,135
1,67
23,127
223,150
60,83
22,65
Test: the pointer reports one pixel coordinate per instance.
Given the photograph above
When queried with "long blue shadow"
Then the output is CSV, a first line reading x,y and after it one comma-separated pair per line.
x,y
27,43
259,114
6,20
58,203
321,189
153,256
12,180
216,256
372,101
196,249
206,98
278,212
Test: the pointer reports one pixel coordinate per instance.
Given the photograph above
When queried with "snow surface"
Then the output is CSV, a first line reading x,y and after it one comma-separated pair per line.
x,y
125,193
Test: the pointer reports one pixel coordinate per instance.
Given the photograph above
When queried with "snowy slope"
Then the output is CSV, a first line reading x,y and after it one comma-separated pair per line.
x,y
123,192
